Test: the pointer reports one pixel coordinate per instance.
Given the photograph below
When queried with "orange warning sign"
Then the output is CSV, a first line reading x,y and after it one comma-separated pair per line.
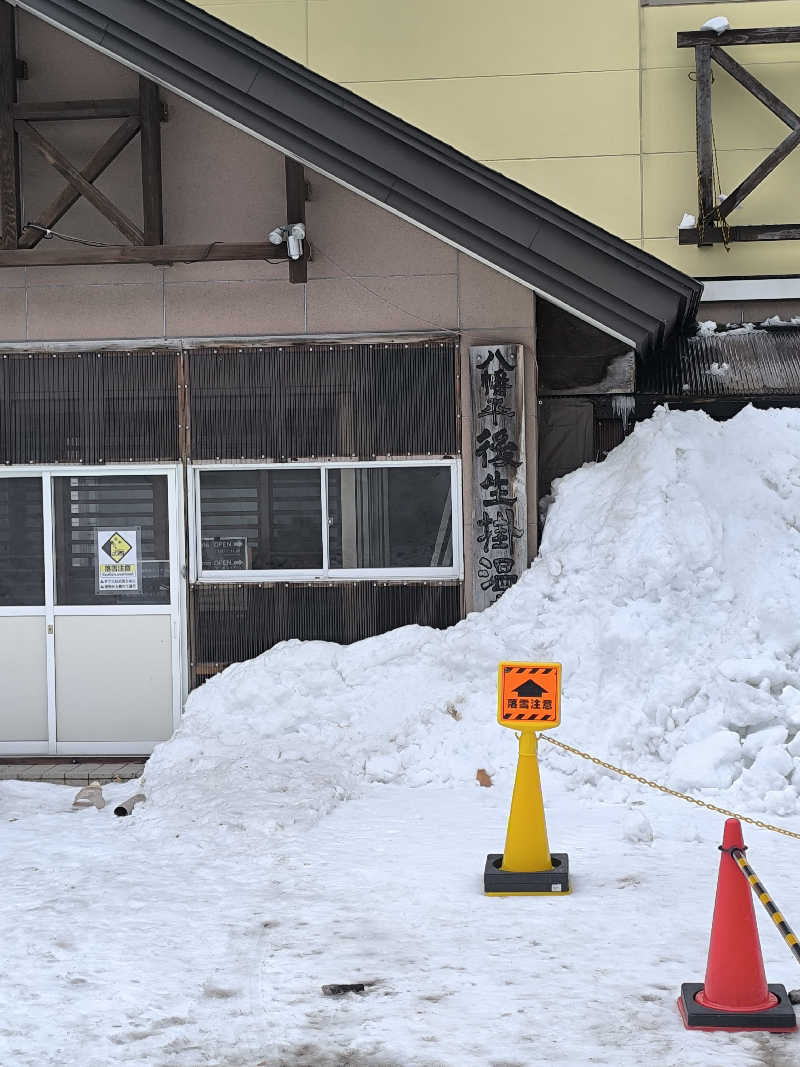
x,y
529,695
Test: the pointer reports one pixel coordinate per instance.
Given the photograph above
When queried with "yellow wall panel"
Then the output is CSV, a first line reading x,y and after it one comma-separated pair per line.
x,y
670,188
547,91
605,189
524,117
660,26
752,259
740,121
281,24
371,40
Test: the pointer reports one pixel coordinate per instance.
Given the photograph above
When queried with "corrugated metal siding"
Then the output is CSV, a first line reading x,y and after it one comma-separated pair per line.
x,y
608,433
760,362
231,623
88,407
312,401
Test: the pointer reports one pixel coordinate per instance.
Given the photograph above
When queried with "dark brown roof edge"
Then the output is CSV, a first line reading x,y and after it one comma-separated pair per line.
x,y
560,255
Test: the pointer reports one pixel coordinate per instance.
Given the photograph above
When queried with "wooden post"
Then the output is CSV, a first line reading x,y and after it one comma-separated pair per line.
x,y
150,115
296,212
9,149
705,144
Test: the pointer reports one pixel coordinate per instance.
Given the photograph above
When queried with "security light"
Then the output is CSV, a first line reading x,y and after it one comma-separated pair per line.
x,y
293,235
294,241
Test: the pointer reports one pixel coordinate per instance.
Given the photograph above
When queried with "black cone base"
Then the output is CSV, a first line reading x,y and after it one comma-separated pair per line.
x,y
778,1019
526,883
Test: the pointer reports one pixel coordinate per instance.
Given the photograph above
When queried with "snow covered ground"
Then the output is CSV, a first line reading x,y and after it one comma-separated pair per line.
x,y
316,819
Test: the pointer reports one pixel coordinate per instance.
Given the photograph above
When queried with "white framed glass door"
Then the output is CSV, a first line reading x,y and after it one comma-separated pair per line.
x,y
103,644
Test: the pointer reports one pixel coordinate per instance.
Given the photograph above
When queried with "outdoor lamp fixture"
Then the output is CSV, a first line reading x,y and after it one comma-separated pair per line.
x,y
293,235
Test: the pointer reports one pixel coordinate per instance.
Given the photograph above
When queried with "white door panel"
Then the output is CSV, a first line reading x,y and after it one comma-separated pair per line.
x,y
113,678
23,679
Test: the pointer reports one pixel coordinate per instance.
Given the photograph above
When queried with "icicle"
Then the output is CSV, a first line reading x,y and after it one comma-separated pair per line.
x,y
623,407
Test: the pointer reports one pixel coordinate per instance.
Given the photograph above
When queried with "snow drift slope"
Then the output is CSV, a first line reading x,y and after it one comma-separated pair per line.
x,y
668,585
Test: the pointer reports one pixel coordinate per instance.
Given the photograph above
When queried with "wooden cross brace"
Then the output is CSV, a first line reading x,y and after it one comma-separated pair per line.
x,y
141,116
711,217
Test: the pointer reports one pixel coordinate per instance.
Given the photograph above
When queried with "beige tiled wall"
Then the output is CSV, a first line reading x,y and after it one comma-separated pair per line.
x,y
371,271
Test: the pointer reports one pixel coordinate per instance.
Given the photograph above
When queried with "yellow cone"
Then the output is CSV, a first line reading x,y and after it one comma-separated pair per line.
x,y
526,839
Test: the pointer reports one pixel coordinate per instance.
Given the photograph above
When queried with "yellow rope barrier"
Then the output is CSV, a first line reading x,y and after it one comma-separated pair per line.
x,y
665,789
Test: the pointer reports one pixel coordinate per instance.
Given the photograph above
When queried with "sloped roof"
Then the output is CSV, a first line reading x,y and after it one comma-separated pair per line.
x,y
561,256
735,363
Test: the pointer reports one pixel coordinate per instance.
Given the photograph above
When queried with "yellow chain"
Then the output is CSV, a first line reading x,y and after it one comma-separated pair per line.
x,y
664,789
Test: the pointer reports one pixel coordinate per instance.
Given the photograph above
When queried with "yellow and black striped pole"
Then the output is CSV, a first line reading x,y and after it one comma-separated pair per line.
x,y
786,931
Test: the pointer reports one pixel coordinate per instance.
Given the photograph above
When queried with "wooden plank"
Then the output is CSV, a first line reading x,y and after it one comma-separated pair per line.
x,y
499,494
152,207
754,86
9,149
757,176
782,231
57,110
74,255
296,212
758,35
705,143
99,200
105,155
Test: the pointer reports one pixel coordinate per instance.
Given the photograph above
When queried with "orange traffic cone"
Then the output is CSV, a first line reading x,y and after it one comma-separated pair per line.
x,y
735,994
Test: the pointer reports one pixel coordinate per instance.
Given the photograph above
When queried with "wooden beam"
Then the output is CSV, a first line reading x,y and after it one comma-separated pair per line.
x,y
754,86
9,148
296,212
56,110
705,142
150,117
99,200
105,155
783,231
75,256
757,176
759,35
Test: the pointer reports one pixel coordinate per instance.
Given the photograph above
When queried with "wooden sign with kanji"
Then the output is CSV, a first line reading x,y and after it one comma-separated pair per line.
x,y
529,695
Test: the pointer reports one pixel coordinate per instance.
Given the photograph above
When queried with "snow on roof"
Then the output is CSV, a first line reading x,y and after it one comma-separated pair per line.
x,y
667,585
758,359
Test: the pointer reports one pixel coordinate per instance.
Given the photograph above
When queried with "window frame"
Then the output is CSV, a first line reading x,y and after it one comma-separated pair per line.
x,y
326,573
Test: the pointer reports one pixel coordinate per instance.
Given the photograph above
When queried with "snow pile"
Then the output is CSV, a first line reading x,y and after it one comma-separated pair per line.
x,y
667,585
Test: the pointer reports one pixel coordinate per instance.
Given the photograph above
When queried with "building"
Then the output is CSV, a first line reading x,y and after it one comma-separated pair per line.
x,y
595,104
213,440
